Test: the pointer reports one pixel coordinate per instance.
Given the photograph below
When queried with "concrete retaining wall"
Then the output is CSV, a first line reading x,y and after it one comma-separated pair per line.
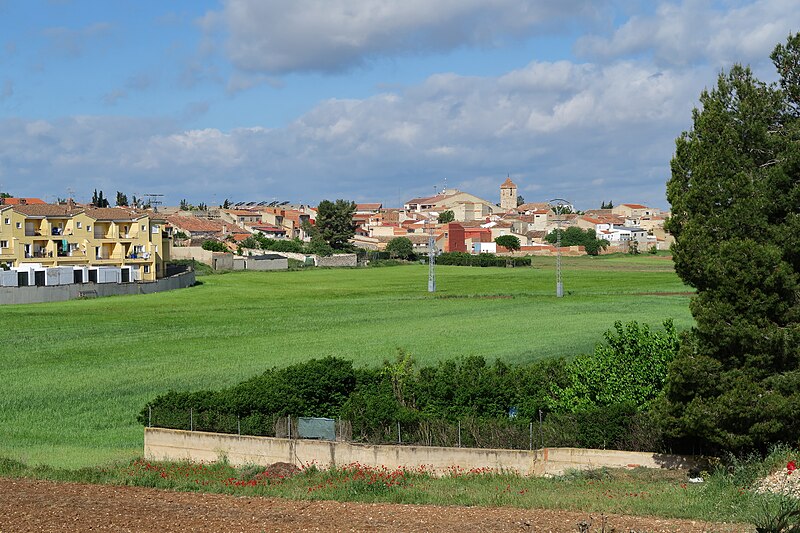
x,y
60,293
216,260
178,445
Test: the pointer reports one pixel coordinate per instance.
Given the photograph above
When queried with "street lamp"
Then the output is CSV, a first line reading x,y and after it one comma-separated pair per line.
x,y
559,207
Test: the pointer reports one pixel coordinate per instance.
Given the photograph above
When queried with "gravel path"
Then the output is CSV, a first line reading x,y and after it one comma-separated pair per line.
x,y
43,506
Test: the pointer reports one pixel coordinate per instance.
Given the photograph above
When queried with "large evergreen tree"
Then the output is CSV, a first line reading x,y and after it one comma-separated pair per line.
x,y
735,195
335,222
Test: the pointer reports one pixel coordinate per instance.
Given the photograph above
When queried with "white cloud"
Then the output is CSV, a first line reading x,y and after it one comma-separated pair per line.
x,y
554,127
694,31
275,36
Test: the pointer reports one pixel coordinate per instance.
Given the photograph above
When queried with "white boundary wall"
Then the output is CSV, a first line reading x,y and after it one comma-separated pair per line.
x,y
60,293
178,445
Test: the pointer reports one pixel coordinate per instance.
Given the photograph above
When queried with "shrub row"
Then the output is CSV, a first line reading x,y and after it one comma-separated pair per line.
x,y
480,260
596,400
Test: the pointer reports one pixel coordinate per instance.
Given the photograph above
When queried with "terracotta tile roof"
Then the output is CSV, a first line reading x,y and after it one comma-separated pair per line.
x,y
267,228
196,224
429,200
115,213
47,210
17,201
242,212
362,207
635,206
508,184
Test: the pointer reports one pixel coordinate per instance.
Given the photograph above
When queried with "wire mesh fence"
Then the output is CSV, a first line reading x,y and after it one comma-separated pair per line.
x,y
640,432
512,433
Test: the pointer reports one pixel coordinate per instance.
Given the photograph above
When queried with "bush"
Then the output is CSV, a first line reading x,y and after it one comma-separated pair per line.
x,y
214,246
480,260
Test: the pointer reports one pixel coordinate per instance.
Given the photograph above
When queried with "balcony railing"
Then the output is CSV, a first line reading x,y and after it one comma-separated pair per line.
x,y
39,255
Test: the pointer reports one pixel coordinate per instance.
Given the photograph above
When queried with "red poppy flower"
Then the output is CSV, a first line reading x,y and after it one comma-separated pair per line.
x,y
791,466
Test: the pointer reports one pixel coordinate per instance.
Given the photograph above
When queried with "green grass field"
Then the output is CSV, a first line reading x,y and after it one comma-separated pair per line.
x,y
75,374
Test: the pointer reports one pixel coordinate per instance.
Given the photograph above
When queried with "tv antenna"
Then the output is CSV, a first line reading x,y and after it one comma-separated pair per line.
x,y
153,200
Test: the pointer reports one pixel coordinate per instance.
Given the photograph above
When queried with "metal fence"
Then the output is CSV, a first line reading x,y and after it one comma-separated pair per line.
x,y
512,433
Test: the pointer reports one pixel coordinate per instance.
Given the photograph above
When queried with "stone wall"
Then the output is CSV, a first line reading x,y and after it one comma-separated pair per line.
x,y
336,260
178,445
60,293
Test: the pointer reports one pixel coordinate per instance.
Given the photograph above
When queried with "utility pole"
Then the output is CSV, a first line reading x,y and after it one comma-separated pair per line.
x,y
431,256
558,205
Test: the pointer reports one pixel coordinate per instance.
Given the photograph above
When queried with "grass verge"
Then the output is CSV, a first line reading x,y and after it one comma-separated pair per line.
x,y
727,494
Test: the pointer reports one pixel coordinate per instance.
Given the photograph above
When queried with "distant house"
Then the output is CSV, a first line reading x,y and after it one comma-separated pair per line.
x,y
203,228
464,206
634,210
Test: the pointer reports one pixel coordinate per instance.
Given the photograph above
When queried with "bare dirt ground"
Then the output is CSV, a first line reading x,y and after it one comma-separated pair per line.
x,y
31,505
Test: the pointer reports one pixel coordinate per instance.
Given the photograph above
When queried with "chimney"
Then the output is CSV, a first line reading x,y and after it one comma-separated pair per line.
x,y
23,201
70,204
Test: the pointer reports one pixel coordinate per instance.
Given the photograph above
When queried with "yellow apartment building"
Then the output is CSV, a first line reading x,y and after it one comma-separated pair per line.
x,y
72,235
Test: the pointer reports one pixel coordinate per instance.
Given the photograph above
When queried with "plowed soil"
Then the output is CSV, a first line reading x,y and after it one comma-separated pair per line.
x,y
30,505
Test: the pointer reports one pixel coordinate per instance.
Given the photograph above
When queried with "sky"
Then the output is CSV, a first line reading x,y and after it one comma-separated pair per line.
x,y
366,100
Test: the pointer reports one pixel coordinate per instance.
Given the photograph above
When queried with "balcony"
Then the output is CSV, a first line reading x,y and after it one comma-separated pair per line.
x,y
39,255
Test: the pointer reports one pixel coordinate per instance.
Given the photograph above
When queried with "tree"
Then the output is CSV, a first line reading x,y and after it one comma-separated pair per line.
x,y
631,368
509,242
446,216
575,236
226,204
609,205
185,206
520,200
98,200
400,247
335,222
122,199
734,191
5,195
214,246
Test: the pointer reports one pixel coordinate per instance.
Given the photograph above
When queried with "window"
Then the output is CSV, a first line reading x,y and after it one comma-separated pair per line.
x,y
146,269
156,228
19,225
80,225
144,228
88,227
8,221
3,244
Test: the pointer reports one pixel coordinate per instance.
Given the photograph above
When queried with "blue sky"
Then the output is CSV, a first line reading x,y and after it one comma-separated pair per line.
x,y
377,100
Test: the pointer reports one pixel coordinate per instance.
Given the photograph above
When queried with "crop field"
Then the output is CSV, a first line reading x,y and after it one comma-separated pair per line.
x,y
75,374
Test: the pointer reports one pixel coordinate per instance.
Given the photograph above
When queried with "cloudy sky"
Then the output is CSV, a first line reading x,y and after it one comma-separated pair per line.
x,y
370,100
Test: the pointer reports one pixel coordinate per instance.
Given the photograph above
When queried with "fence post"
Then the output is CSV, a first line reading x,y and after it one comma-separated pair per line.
x,y
541,431
238,425
459,433
289,425
530,436
149,416
191,419
399,439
